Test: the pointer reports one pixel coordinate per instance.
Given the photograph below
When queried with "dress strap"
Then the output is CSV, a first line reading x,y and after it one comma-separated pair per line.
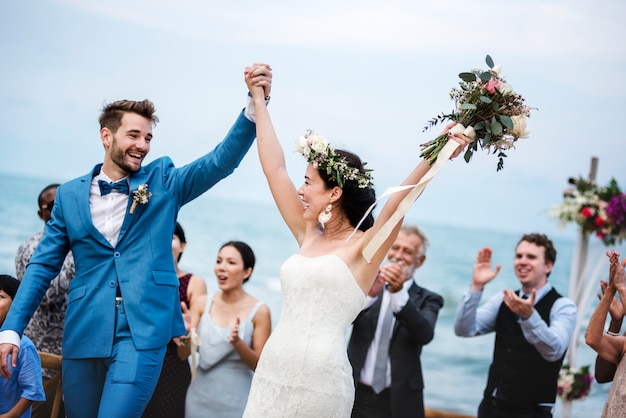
x,y
383,233
254,309
209,302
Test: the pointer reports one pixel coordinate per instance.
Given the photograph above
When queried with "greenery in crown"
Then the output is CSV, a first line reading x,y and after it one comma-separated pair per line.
x,y
316,150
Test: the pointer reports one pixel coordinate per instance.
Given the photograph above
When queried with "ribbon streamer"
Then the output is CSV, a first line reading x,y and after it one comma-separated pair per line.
x,y
383,233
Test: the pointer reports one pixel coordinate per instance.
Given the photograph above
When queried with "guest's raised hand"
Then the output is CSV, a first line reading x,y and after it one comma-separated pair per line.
x,y
234,334
520,306
394,274
617,275
616,309
482,272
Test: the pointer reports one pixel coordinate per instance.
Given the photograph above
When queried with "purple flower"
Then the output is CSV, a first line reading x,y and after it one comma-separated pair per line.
x,y
616,211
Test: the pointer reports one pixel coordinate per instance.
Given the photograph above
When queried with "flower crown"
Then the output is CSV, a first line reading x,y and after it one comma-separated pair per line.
x,y
316,149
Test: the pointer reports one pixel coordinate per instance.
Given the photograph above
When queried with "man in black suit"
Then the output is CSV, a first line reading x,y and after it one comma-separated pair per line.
x,y
390,384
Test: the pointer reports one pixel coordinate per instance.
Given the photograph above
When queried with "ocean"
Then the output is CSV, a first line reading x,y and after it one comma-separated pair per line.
x,y
455,369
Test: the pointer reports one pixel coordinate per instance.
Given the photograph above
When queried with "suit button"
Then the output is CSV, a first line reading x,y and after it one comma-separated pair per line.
x,y
116,254
112,283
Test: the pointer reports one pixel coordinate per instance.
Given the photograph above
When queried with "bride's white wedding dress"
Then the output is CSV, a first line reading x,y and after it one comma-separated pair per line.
x,y
304,370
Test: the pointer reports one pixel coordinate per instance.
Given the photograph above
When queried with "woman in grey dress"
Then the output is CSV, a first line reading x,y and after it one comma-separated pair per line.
x,y
232,328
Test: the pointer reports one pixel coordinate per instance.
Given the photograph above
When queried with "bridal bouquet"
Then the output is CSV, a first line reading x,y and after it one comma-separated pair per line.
x,y
598,210
574,383
488,111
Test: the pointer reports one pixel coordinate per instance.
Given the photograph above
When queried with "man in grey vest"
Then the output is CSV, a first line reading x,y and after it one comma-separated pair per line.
x,y
533,329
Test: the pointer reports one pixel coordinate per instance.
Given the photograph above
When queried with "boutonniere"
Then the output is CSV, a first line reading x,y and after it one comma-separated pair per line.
x,y
140,196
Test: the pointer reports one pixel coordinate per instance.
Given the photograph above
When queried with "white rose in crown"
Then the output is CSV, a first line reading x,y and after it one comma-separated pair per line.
x,y
519,127
319,144
302,146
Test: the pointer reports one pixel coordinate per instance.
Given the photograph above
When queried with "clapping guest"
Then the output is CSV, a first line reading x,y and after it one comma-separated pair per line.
x,y
533,328
389,334
611,347
605,370
168,400
233,327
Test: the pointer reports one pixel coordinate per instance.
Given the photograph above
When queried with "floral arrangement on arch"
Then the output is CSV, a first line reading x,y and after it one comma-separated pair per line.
x,y
574,383
598,210
488,111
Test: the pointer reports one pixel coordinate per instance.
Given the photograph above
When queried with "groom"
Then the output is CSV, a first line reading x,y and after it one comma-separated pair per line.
x,y
118,220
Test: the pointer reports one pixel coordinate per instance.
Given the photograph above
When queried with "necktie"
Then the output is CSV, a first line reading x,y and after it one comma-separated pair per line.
x,y
106,187
380,369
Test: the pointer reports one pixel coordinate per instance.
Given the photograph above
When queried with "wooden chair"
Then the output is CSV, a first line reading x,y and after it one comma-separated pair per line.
x,y
434,413
53,362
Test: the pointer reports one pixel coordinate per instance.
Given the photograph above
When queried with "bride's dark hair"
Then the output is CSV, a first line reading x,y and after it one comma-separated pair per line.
x,y
355,200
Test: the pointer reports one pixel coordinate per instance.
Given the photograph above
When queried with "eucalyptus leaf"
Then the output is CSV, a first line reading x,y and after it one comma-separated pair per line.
x,y
480,125
466,106
489,61
485,99
485,77
506,121
468,156
468,77
496,128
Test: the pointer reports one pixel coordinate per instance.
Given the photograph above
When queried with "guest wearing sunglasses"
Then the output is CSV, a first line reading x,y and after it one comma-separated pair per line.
x,y
45,328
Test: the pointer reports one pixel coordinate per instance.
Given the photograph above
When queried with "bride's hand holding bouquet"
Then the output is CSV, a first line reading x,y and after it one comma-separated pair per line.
x,y
488,111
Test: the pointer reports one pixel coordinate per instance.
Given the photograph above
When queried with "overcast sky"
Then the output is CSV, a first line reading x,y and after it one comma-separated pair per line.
x,y
366,74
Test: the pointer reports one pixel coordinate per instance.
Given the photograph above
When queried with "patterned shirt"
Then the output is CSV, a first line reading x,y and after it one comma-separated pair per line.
x,y
45,328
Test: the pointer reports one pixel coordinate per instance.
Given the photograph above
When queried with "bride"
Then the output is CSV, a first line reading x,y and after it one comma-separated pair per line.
x,y
303,370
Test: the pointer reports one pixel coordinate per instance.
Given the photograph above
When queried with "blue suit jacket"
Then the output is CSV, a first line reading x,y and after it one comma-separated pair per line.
x,y
141,262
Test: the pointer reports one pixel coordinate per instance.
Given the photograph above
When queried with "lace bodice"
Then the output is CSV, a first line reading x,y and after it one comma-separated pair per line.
x,y
615,406
304,370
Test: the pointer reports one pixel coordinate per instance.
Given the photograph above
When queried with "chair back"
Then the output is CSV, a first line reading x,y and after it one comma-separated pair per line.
x,y
53,362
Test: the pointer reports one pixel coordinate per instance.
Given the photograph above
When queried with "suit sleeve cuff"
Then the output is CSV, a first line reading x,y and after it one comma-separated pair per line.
x,y
399,299
11,337
250,112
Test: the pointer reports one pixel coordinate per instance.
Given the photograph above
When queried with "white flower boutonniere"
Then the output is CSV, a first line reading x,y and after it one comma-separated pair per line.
x,y
140,197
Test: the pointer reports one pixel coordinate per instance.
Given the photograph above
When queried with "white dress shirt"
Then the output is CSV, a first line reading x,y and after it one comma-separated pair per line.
x,y
398,300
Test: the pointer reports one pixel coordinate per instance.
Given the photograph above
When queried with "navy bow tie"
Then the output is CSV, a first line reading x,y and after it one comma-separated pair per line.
x,y
106,187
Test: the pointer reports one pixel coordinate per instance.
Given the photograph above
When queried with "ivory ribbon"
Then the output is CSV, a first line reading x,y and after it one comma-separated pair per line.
x,y
383,233
195,342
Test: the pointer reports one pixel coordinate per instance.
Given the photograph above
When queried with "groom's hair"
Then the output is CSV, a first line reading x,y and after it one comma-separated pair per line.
x,y
111,116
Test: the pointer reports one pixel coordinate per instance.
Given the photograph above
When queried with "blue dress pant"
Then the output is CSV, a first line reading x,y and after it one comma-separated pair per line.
x,y
120,386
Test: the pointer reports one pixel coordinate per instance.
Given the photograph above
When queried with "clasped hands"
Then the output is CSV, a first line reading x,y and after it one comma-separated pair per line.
x,y
259,76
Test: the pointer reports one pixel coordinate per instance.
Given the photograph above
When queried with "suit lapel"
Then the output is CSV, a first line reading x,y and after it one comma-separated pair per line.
x,y
82,203
135,181
415,296
375,313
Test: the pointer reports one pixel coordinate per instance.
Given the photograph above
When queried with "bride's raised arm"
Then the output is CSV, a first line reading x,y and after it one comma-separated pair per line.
x,y
272,157
391,206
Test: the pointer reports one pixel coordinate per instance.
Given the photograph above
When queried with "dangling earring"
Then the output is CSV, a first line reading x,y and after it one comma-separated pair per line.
x,y
325,216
